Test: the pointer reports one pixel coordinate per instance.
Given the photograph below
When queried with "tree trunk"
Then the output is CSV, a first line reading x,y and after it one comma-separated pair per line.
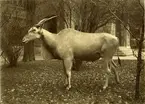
x,y
118,31
13,62
139,64
29,52
29,47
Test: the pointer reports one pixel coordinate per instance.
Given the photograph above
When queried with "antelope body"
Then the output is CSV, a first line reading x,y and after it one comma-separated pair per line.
x,y
70,44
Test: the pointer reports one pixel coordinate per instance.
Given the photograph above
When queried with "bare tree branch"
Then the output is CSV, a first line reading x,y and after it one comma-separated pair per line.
x,y
139,1
9,17
60,10
124,25
104,22
134,54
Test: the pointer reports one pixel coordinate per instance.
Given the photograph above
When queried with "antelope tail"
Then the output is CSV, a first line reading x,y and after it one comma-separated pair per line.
x,y
119,61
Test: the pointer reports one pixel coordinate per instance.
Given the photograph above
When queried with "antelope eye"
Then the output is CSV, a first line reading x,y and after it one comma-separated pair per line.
x,y
33,30
37,26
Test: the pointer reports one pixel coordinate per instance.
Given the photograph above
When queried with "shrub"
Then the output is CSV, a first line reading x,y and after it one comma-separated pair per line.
x,y
11,43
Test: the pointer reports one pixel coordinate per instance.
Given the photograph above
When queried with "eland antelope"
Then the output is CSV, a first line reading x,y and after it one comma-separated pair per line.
x,y
70,44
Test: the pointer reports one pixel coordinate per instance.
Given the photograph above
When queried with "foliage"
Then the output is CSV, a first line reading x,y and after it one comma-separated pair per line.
x,y
12,26
11,43
10,54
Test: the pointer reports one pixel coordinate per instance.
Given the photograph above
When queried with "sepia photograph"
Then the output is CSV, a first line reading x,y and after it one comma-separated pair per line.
x,y
72,52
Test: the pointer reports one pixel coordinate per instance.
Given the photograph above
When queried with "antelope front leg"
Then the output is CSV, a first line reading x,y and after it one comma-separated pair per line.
x,y
108,72
68,65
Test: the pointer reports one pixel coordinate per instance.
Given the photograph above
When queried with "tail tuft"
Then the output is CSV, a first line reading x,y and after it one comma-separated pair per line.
x,y
119,61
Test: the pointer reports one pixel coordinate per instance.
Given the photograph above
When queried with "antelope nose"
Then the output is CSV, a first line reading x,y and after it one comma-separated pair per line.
x,y
23,40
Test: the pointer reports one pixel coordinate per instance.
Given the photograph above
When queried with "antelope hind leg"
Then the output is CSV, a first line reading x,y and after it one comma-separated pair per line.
x,y
67,66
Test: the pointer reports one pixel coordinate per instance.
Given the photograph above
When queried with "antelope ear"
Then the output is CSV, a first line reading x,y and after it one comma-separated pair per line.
x,y
40,32
38,26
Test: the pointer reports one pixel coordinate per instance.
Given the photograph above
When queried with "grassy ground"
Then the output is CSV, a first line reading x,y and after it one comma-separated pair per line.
x,y
42,82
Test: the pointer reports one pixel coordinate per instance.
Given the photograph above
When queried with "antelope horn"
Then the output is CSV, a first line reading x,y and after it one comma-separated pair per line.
x,y
44,20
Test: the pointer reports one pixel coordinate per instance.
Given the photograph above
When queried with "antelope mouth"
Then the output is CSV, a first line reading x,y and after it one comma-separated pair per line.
x,y
25,40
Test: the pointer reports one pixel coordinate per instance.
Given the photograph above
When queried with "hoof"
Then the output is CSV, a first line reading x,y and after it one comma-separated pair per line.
x,y
104,88
118,81
68,88
75,69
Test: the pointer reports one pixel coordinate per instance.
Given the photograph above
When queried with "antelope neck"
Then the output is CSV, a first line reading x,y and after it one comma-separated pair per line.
x,y
49,39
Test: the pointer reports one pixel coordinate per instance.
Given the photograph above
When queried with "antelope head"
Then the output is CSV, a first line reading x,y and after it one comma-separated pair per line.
x,y
35,32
